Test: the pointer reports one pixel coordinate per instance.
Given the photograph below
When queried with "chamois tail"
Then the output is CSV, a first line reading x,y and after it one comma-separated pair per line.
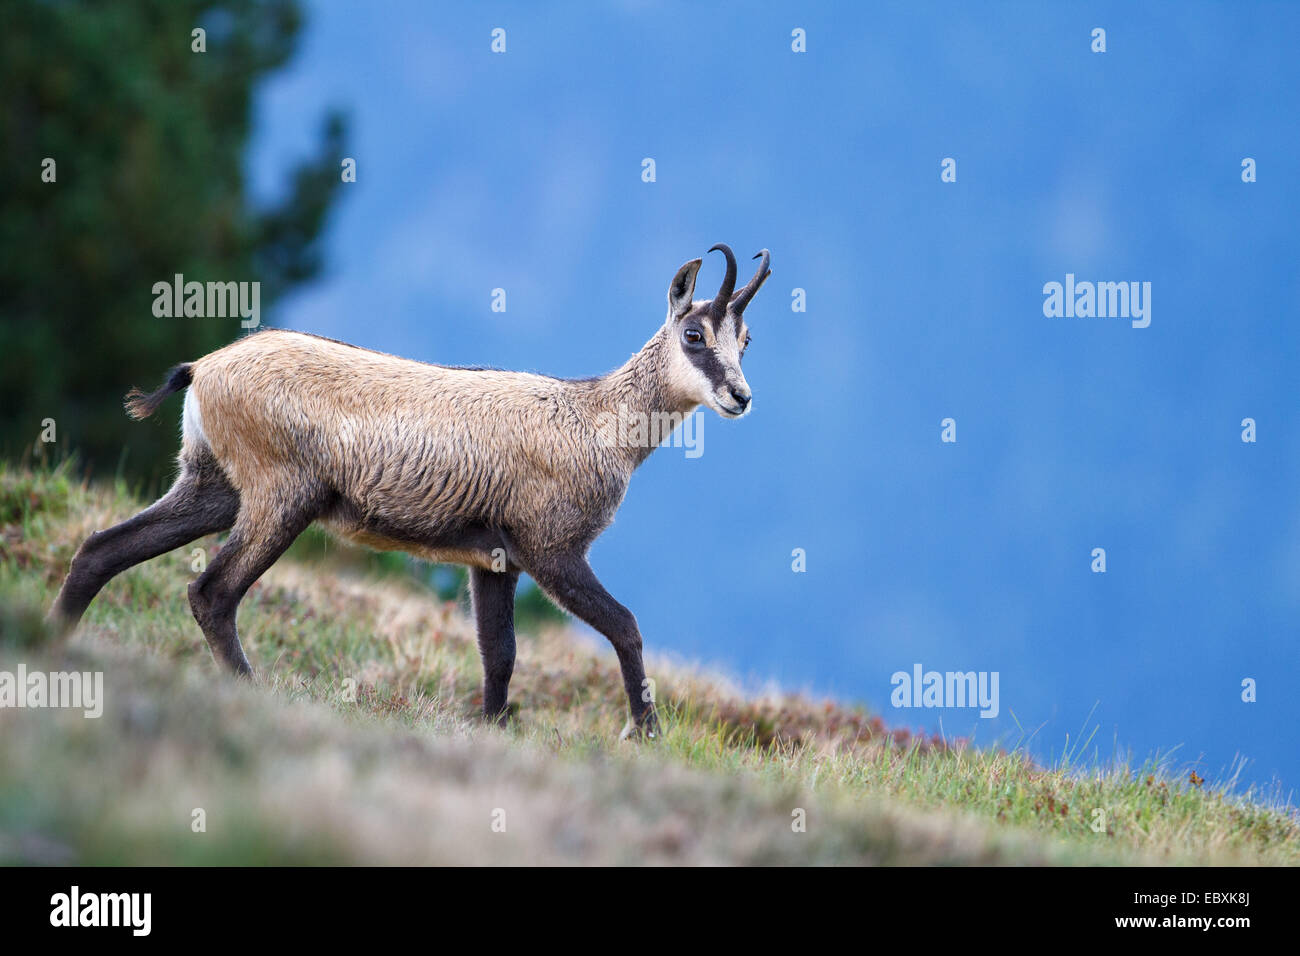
x,y
140,405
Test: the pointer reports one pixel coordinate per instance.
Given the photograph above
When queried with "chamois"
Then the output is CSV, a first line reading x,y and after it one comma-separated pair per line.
x,y
500,471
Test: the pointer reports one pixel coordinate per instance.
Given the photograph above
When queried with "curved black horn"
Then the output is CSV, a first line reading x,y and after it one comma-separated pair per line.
x,y
747,293
728,281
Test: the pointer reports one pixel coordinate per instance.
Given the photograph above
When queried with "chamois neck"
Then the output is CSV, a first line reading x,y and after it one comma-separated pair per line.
x,y
640,390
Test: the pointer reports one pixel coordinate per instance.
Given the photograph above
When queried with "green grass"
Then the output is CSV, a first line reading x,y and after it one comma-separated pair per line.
x,y
360,742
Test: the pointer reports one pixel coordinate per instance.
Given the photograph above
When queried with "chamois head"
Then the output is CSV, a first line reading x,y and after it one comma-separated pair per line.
x,y
710,337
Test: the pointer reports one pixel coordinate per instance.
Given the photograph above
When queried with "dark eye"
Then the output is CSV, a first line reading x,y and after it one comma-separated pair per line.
x,y
748,340
692,337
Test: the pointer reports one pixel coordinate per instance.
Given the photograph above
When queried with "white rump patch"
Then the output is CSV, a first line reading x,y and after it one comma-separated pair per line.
x,y
192,421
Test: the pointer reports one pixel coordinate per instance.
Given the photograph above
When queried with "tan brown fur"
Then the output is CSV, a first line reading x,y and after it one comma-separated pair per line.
x,y
421,447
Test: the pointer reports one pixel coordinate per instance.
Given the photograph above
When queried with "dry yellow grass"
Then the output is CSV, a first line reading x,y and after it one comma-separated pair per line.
x,y
360,743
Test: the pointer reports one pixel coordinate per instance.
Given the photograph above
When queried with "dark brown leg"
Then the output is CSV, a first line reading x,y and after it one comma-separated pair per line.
x,y
201,502
493,594
255,544
571,582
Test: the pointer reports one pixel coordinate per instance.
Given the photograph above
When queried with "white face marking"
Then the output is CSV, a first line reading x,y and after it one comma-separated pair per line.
x,y
690,382
727,350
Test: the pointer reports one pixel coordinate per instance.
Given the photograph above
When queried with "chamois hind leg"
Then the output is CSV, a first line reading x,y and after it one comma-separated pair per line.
x,y
493,595
260,535
200,502
574,586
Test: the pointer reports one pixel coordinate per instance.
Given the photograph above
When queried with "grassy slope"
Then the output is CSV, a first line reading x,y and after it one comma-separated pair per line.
x,y
301,769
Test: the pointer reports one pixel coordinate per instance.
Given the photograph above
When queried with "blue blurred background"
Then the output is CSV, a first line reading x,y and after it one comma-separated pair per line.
x,y
523,171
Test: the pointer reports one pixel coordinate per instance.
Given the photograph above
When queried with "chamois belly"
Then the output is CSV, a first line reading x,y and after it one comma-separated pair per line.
x,y
468,543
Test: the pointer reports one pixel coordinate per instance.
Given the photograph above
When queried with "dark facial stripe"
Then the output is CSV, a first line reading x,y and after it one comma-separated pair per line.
x,y
707,362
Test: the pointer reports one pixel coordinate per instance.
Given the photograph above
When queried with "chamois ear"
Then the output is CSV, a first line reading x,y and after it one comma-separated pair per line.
x,y
682,288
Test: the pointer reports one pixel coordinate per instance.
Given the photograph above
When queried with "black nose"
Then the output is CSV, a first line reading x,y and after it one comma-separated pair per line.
x,y
741,398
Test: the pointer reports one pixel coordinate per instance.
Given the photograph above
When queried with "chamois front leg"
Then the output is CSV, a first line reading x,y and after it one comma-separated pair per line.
x,y
574,586
493,595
